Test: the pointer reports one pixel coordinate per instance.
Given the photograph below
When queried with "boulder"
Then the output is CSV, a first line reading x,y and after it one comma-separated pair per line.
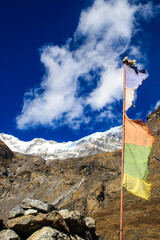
x,y
90,223
36,204
16,212
74,220
58,225
8,235
65,214
26,225
48,233
31,212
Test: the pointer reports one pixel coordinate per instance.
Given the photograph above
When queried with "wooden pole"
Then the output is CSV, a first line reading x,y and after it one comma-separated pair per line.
x,y
122,162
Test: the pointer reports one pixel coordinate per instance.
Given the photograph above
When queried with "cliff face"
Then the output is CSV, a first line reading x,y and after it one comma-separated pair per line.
x,y
154,121
6,156
90,185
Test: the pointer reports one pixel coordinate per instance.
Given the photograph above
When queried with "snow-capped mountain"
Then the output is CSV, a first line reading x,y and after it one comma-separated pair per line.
x,y
95,143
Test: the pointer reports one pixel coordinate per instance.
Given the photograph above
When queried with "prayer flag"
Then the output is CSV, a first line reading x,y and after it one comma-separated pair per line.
x,y
137,148
134,78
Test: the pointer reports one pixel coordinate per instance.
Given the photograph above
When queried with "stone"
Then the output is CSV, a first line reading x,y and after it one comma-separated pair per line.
x,y
16,212
87,235
1,224
28,224
31,212
75,221
8,235
37,204
64,213
72,237
48,233
90,223
79,238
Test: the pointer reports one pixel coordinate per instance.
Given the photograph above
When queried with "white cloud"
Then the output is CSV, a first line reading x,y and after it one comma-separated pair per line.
x,y
153,107
106,114
148,10
138,115
59,90
103,34
157,104
108,20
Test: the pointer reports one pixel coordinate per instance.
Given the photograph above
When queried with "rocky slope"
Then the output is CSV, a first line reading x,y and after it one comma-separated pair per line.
x,y
95,143
90,185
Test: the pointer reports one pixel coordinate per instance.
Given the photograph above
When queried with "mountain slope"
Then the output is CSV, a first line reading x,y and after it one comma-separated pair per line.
x,y
96,143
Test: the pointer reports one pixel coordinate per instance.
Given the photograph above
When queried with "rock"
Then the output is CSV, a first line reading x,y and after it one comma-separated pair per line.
x,y
8,235
6,156
37,204
16,212
154,121
31,212
65,214
5,152
74,220
48,233
78,238
90,223
58,225
99,237
26,225
87,235
1,224
77,223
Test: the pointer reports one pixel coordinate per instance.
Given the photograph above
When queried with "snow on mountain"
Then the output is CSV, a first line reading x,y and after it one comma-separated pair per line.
x,y
95,143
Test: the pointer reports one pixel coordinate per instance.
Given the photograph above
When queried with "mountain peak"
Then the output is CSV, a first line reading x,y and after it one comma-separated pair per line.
x,y
98,142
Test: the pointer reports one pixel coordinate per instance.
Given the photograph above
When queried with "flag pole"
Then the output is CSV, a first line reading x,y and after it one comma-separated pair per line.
x,y
122,161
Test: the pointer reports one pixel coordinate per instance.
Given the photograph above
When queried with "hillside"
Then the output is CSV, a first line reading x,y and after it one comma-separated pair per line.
x,y
89,184
141,217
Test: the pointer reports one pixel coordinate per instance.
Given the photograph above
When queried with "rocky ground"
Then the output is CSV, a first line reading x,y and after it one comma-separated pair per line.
x,y
37,220
90,185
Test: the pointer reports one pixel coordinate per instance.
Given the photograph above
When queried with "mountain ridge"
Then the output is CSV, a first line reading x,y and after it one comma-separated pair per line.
x,y
95,143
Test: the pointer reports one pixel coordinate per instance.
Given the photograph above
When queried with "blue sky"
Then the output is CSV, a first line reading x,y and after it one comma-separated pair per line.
x,y
61,65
